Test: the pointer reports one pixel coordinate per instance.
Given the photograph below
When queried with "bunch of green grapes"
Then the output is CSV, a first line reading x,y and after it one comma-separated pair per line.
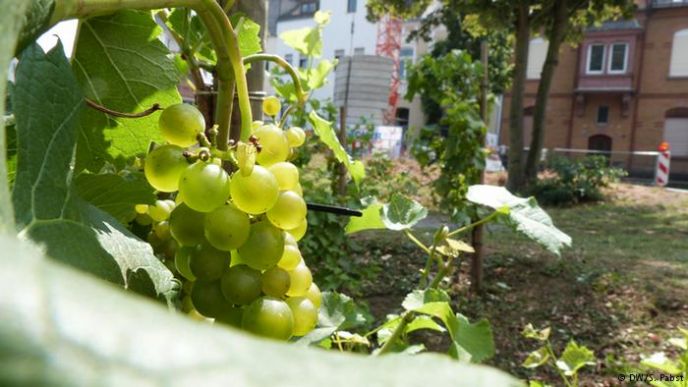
x,y
236,232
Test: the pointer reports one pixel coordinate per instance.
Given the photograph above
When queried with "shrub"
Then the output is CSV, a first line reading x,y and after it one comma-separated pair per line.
x,y
576,181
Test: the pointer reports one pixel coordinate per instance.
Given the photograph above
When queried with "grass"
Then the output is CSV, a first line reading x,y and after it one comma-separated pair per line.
x,y
622,289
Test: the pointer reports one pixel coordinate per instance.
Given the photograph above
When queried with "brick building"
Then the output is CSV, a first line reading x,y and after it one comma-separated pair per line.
x,y
623,88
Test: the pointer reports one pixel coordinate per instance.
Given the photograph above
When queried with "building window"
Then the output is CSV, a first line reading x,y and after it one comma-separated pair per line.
x,y
679,55
406,57
603,115
402,118
619,58
359,51
309,8
351,7
537,52
303,62
676,131
595,58
289,58
600,142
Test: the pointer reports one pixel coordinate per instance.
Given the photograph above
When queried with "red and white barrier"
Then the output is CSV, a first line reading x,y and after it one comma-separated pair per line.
x,y
663,163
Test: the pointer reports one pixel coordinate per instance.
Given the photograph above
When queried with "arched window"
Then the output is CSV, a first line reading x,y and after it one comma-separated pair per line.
x,y
537,53
679,54
676,131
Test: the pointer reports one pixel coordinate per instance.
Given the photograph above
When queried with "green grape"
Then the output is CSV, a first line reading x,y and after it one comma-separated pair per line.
x,y
180,124
264,246
141,209
186,225
305,315
231,316
207,298
298,189
269,317
274,145
226,228
154,240
208,263
301,279
288,212
162,230
144,219
275,282
271,106
299,231
290,240
182,262
164,165
287,175
255,193
241,285
161,210
291,257
204,186
169,250
314,295
295,136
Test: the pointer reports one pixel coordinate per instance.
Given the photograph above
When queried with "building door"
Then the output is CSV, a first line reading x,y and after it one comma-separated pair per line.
x,y
600,142
528,126
676,134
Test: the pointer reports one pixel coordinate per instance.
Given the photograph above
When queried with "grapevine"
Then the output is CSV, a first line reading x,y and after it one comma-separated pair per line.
x,y
231,233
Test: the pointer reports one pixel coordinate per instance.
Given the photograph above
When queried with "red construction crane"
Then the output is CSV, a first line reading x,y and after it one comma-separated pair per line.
x,y
389,33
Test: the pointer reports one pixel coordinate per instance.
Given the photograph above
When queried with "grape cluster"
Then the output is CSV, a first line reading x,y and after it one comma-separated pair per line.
x,y
235,234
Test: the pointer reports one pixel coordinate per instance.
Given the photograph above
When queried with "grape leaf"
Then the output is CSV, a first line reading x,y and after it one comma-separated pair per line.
x,y
524,215
69,329
11,20
190,28
121,64
115,194
402,213
371,220
316,77
325,131
47,103
35,21
536,358
307,41
474,339
574,358
248,35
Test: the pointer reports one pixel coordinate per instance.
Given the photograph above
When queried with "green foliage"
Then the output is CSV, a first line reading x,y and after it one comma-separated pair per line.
x,y
401,213
453,82
48,210
121,64
84,316
116,194
670,368
523,215
576,181
568,364
325,131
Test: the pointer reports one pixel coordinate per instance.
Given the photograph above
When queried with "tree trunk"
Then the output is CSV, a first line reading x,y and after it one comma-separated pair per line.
x,y
516,177
555,38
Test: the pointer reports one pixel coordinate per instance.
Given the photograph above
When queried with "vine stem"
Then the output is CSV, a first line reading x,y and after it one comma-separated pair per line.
x,y
415,240
405,320
473,225
222,35
293,72
92,104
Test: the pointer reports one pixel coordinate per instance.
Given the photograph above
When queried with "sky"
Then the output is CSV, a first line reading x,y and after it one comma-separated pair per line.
x,y
65,31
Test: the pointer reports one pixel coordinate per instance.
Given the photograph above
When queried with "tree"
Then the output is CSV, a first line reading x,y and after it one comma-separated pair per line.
x,y
559,20
564,21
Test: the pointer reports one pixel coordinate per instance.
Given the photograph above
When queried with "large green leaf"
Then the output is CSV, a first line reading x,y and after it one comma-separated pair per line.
x,y
11,21
188,26
525,215
325,131
307,41
121,64
401,213
574,358
115,194
47,102
68,329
